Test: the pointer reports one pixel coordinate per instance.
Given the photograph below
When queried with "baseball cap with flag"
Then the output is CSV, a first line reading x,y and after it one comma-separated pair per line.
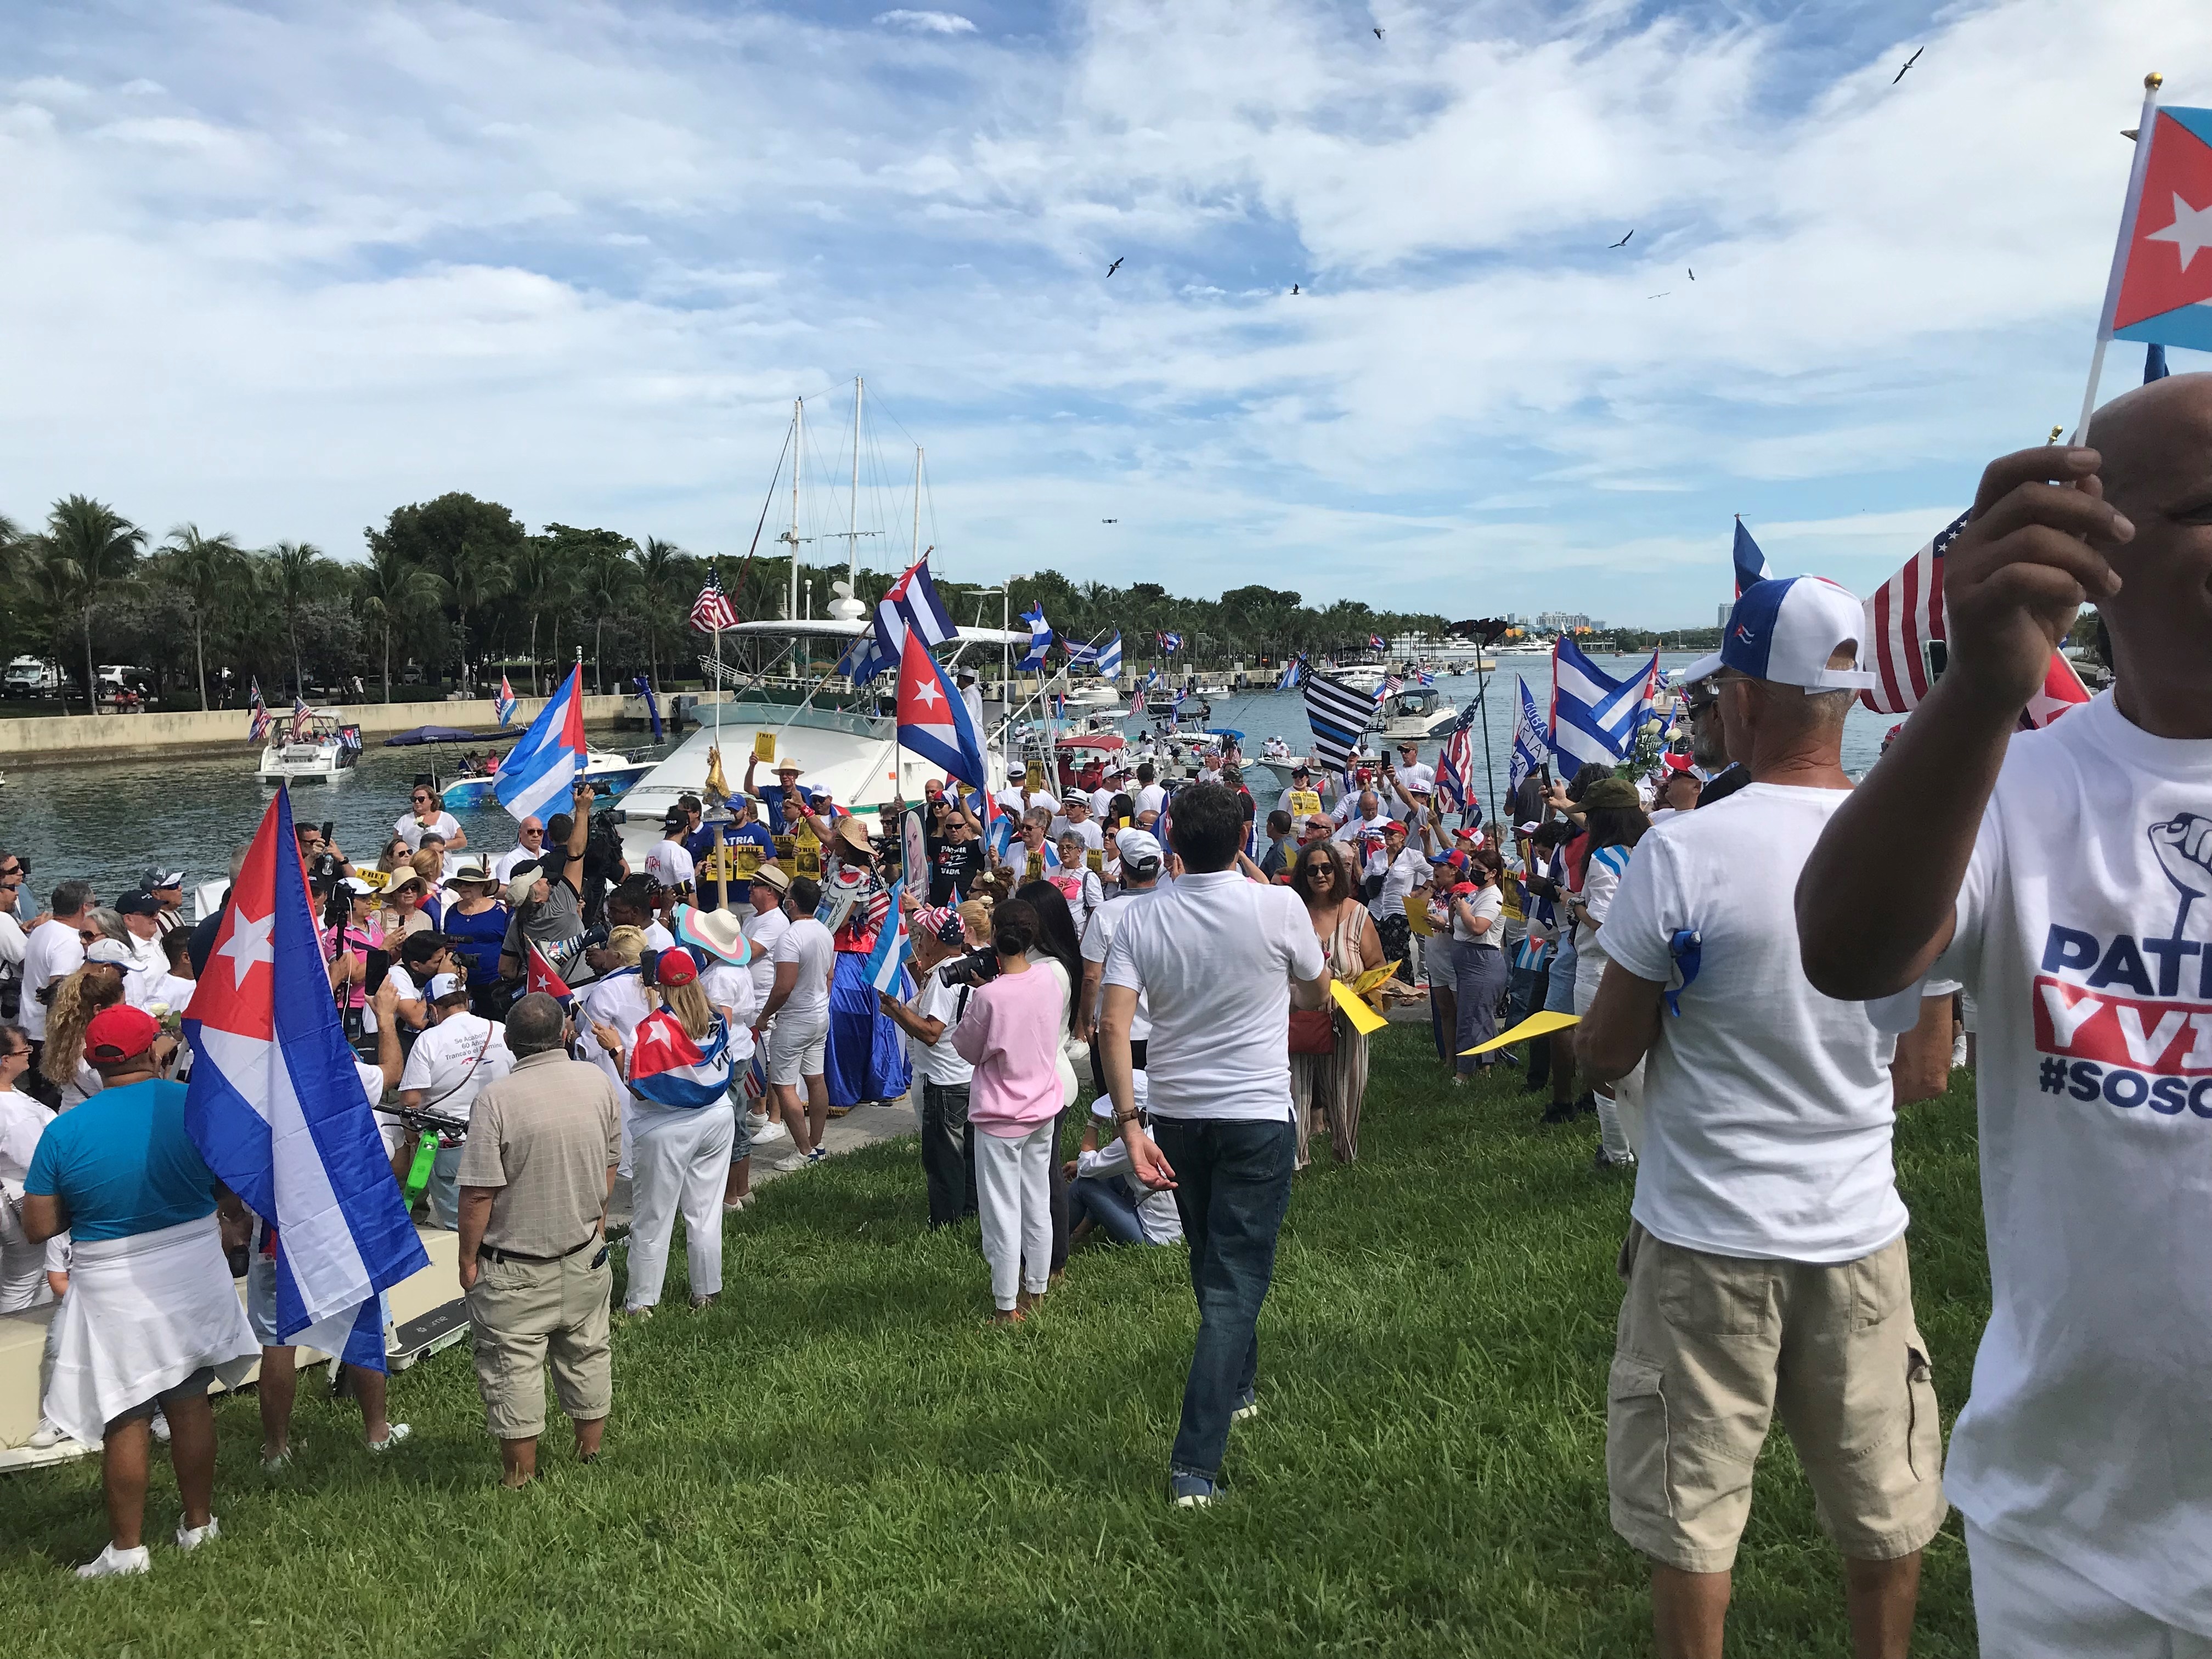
x,y
1785,629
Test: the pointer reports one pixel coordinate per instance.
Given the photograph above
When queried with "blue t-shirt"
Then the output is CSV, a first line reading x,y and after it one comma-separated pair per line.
x,y
481,936
122,1164
771,801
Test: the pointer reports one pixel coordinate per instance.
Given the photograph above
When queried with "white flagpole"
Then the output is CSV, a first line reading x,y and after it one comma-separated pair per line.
x,y
2126,241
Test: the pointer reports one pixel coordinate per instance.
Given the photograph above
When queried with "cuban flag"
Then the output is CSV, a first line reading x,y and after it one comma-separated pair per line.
x,y
1595,717
1374,642
278,1110
911,605
1169,643
257,717
1294,671
1039,638
887,961
1422,677
1107,660
933,720
2157,291
1532,742
1750,563
539,975
503,704
544,767
669,1069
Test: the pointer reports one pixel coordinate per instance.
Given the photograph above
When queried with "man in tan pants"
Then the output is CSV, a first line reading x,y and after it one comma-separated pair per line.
x,y
543,1144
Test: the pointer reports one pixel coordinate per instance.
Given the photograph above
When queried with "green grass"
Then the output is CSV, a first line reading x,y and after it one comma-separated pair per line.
x,y
842,1458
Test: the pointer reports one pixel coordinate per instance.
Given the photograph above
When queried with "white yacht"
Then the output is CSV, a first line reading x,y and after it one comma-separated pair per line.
x,y
1364,676
326,751
1418,712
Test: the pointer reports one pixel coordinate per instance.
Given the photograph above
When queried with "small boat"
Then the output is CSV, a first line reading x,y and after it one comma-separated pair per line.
x,y
325,752
1211,689
1364,677
1417,713
610,776
1105,695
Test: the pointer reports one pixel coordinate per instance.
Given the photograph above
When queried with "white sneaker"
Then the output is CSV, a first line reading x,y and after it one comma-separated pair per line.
x,y
768,1133
190,1538
796,1161
48,1433
161,1427
732,1206
394,1434
112,1563
1958,1051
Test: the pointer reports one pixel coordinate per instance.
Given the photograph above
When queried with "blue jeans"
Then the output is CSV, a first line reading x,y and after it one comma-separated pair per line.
x,y
1232,1190
1560,999
1107,1204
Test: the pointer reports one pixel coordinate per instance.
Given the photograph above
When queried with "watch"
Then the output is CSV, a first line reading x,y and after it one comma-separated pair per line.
x,y
1126,1115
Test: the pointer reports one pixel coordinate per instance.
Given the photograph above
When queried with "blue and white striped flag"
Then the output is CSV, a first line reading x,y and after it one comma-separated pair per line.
x,y
1595,717
1040,637
1532,742
1339,714
1108,660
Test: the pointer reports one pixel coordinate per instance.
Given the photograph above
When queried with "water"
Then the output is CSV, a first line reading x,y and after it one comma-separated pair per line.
x,y
107,821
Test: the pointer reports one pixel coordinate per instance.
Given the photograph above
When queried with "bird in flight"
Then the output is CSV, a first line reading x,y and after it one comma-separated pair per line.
x,y
1909,62
1623,242
1294,288
1378,34
1116,266
1109,521
1693,274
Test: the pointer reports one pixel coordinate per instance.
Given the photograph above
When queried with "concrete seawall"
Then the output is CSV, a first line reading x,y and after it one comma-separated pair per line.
x,y
78,737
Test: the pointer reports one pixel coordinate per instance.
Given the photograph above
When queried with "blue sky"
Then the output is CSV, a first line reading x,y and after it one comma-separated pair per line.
x,y
276,269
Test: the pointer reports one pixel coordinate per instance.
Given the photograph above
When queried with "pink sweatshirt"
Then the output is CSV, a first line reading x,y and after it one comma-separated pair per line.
x,y
1011,1034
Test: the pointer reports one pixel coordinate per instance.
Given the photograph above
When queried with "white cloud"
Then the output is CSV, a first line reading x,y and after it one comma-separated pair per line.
x,y
928,22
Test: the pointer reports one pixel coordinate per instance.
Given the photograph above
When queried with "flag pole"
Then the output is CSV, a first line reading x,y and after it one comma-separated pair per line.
x,y
1482,701
2152,82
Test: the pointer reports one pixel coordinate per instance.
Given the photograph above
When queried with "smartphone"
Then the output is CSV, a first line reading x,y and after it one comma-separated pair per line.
x,y
329,826
379,964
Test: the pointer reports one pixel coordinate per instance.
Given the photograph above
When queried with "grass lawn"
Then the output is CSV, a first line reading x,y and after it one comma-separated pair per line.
x,y
842,1458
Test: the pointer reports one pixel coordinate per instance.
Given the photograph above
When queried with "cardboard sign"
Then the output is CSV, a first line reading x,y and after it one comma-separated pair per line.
x,y
764,746
1033,779
786,849
733,862
1373,977
1416,915
1096,858
1305,803
1364,1019
806,852
380,879
1033,870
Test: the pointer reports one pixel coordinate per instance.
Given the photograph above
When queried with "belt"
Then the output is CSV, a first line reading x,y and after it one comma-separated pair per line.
x,y
497,1257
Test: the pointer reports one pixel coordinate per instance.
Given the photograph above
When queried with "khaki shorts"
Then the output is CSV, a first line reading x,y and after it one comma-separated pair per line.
x,y
796,1048
1712,1346
522,1313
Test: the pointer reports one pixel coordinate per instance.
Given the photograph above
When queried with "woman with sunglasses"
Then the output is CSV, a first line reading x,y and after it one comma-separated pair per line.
x,y
22,1121
1329,1082
425,815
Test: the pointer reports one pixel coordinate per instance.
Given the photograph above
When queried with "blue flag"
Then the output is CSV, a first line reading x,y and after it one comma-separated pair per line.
x,y
1750,562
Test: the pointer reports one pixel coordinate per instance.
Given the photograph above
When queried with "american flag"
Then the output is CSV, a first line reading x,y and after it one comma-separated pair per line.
x,y
1137,700
1391,685
1908,641
300,720
257,717
1455,766
712,610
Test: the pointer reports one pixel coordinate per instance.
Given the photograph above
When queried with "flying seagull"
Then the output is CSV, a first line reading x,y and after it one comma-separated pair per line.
x,y
1623,242
1378,34
1658,296
1294,288
1909,62
1109,521
1693,274
1116,266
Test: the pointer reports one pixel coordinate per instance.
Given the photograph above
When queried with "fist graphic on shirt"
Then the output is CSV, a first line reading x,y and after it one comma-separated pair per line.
x,y
2185,849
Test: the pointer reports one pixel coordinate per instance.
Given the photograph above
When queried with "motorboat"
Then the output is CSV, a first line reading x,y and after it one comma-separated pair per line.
x,y
1364,676
322,749
610,775
1104,695
1421,712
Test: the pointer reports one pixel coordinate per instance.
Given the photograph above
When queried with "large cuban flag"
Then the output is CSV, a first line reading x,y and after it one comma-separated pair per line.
x,y
1595,717
910,605
2160,287
278,1111
544,767
887,961
669,1069
934,719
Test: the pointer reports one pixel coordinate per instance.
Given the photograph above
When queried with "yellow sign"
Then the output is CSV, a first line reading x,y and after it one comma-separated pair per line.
x,y
1417,915
806,852
1535,1025
764,745
1096,860
786,849
735,861
1034,870
1305,803
1033,779
380,879
1364,1019
1373,977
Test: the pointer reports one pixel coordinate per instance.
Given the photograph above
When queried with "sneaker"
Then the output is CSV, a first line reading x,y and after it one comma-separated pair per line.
x,y
767,1134
276,1463
394,1434
1247,1406
1189,1492
112,1563
636,1316
732,1206
1958,1051
818,1155
160,1427
48,1433
1605,1161
786,1165
190,1538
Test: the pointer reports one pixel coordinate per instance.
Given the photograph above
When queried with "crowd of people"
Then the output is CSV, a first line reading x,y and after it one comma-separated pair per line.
x,y
1764,963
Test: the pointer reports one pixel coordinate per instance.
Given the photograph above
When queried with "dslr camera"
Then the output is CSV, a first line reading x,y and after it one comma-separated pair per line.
x,y
976,968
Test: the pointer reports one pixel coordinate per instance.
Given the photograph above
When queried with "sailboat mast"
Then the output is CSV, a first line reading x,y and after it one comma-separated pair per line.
x,y
914,554
852,504
797,458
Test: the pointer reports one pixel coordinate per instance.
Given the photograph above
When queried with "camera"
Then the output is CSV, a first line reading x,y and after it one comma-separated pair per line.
x,y
976,968
465,962
594,939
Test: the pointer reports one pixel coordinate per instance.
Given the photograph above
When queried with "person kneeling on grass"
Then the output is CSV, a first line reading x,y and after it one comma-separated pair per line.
x,y
1010,1033
1103,1192
151,1322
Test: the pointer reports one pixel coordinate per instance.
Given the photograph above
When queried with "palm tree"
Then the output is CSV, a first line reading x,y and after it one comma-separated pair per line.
x,y
475,579
658,566
89,547
204,568
539,578
392,590
293,574
608,581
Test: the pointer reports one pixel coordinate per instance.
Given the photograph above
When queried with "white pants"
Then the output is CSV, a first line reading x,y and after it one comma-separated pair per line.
x,y
681,1163
23,1264
2032,1606
1013,1193
1620,1120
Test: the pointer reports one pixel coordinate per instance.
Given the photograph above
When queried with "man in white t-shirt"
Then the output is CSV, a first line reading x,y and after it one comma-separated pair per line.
x,y
797,1018
1150,797
424,817
1075,814
948,1152
2065,876
666,862
528,848
1220,962
450,1062
53,950
1142,859
1765,1261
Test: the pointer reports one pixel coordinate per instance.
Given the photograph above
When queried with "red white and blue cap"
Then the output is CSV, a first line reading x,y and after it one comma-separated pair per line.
x,y
1785,629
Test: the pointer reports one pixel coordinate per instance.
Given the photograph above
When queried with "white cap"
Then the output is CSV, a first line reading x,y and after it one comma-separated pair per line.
x,y
1140,848
1785,628
442,986
108,950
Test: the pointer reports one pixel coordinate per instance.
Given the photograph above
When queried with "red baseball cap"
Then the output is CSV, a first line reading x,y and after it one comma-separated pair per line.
x,y
676,966
118,1034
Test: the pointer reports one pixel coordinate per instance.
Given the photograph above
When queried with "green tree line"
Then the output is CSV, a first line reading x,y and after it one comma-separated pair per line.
x,y
461,591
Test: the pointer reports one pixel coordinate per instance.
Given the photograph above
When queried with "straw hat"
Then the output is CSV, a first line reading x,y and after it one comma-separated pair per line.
x,y
849,832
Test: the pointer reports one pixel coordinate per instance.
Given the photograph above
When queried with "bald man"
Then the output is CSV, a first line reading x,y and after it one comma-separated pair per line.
x,y
2065,876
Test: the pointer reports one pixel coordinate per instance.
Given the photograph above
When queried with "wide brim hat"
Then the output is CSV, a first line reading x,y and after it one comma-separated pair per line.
x,y
849,831
718,932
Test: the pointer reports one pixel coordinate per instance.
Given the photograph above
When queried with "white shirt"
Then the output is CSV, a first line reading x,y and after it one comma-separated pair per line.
x,y
806,943
2091,967
669,864
451,1061
22,1121
11,939
939,1062
972,694
1092,838
1401,875
617,999
1099,939
388,1124
1767,1113
658,937
1101,799
1488,904
1216,954
149,966
765,929
53,952
1150,799
503,865
731,990
409,831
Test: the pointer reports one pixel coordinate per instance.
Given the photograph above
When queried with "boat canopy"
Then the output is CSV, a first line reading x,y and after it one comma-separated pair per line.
x,y
423,734
1109,741
820,628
